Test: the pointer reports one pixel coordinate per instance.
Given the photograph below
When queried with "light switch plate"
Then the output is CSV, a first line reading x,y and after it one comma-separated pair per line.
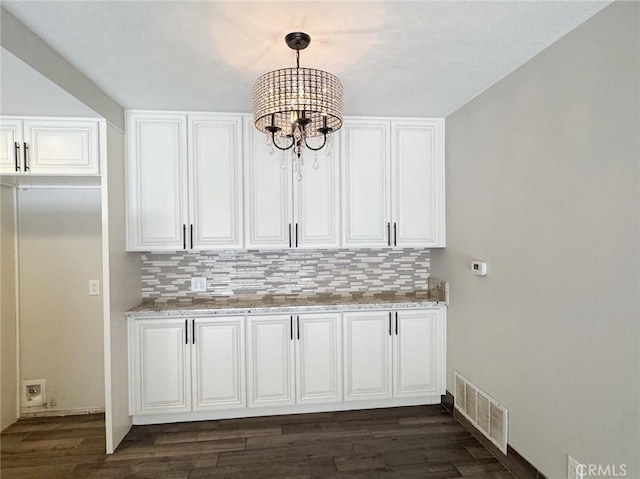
x,y
94,287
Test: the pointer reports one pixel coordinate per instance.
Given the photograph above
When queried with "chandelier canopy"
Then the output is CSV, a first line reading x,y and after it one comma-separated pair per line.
x,y
293,104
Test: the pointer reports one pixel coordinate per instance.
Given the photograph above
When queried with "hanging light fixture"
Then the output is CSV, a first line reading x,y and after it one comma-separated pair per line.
x,y
291,105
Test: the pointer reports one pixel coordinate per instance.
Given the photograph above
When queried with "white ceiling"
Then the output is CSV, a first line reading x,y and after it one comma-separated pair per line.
x,y
395,58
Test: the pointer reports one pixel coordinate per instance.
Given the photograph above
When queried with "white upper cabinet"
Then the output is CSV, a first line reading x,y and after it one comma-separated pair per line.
x,y
417,183
283,211
268,194
11,146
157,181
215,181
393,183
184,181
204,181
365,179
54,147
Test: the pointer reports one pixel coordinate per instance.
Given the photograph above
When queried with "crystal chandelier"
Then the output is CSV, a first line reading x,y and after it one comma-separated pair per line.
x,y
291,105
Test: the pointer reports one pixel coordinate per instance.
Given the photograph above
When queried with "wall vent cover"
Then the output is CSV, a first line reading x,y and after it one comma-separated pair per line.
x,y
487,414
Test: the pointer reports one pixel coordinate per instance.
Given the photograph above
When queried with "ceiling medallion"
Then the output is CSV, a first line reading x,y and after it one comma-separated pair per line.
x,y
291,105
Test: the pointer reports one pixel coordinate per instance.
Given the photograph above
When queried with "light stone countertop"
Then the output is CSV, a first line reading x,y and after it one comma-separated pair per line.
x,y
437,296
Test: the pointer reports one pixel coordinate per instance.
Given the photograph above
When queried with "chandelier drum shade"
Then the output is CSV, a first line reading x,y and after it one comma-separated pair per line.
x,y
293,104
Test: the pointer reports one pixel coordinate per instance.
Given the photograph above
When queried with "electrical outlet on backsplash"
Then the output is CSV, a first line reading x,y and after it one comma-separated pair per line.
x,y
258,273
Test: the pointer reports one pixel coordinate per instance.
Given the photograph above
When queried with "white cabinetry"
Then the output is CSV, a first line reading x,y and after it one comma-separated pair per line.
x,y
182,365
282,211
270,368
318,358
218,363
365,180
49,146
184,181
393,182
294,359
394,354
161,366
367,355
233,366
418,352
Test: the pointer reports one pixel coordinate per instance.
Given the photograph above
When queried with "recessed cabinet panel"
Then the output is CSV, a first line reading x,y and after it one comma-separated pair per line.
x,y
417,179
367,355
163,366
218,364
270,353
365,170
268,193
415,354
62,147
215,181
317,197
11,158
157,177
318,358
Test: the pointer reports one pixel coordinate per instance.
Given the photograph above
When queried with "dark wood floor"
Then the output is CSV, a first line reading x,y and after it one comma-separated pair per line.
x,y
411,442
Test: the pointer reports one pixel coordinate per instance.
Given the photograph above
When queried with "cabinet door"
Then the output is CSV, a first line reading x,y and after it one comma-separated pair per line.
x,y
62,147
318,358
367,355
270,354
11,159
417,158
215,181
161,367
156,181
317,200
365,179
416,353
218,373
267,189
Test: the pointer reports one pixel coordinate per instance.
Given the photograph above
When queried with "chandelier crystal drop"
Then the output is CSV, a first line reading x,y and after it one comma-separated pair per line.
x,y
291,105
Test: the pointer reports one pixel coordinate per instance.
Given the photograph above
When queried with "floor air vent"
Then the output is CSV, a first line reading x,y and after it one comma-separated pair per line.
x,y
487,414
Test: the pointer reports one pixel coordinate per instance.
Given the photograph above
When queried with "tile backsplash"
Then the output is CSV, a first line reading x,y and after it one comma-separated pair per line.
x,y
259,273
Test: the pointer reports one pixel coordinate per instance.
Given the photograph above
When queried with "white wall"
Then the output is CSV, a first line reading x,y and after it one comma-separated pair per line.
x,y
125,292
8,312
59,233
543,184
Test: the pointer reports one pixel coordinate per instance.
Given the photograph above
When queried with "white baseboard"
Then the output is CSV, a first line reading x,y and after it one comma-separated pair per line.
x,y
48,412
142,419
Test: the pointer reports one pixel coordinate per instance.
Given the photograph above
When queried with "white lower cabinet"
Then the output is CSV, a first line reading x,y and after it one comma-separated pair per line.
x,y
270,352
394,354
161,366
218,367
367,355
233,366
293,359
183,365
318,358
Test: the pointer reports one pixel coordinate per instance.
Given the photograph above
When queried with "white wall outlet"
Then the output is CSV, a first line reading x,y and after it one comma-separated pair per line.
x,y
94,287
575,470
34,393
198,284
